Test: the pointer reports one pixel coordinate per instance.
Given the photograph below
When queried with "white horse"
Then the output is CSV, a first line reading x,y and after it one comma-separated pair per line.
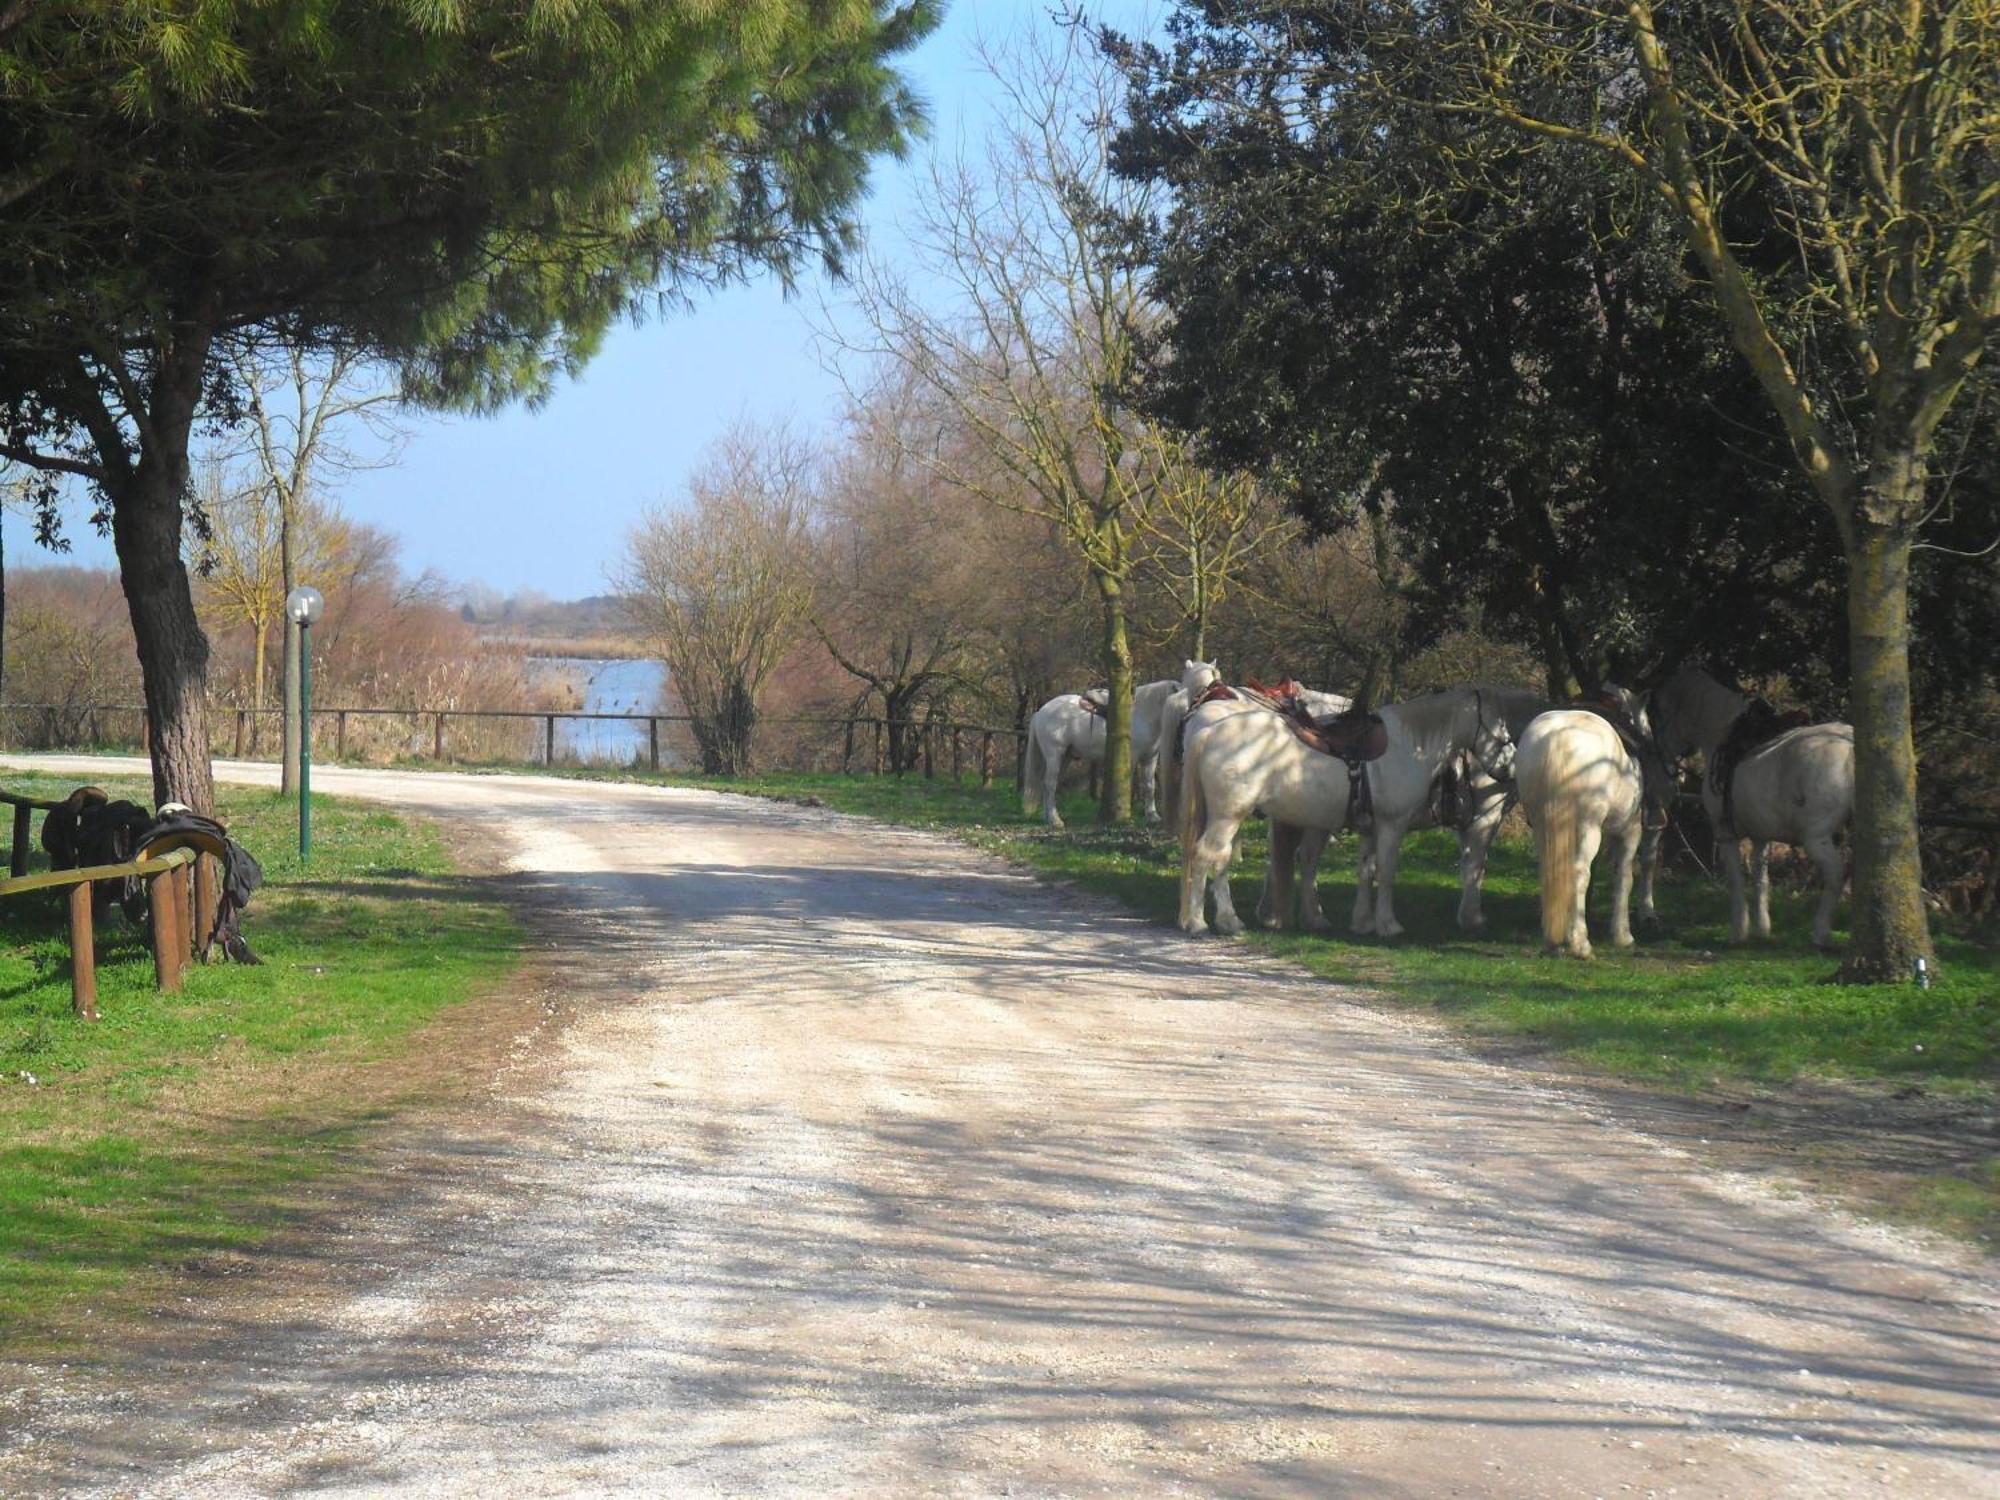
x,y
1479,808
1176,724
1795,789
1237,764
1066,725
1578,784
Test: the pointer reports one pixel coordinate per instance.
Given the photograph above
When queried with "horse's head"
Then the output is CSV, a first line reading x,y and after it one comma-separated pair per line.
x,y
1197,675
1492,743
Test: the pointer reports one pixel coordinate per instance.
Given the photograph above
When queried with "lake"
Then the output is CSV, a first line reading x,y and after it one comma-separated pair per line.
x,y
608,686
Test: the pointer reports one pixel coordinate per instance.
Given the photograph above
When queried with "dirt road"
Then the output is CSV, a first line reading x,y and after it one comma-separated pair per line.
x,y
870,1167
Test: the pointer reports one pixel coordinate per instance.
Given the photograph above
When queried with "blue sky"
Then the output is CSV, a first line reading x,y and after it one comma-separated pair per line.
x,y
543,499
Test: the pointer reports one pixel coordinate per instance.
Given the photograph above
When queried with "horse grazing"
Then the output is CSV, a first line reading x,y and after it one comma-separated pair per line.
x,y
1795,787
1579,782
1074,724
1239,763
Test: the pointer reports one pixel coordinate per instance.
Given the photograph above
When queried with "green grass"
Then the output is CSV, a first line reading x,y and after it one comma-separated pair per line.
x,y
180,1125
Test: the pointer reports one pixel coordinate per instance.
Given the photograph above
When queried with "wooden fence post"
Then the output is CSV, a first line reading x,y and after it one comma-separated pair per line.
x,y
17,862
437,739
242,726
878,745
653,744
145,732
986,760
957,755
340,735
166,927
549,741
82,953
204,903
927,735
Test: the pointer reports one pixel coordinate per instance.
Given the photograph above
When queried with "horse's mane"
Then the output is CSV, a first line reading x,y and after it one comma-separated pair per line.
x,y
1429,721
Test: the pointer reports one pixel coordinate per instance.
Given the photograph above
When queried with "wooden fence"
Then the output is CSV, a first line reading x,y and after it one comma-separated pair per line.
x,y
931,747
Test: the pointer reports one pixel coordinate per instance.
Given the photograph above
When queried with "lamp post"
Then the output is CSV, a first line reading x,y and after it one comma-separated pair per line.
x,y
302,607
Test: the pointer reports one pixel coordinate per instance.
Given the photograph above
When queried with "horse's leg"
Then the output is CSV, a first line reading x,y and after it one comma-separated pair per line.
x,y
1650,840
1760,875
1311,847
1363,920
1388,849
1824,852
1149,783
1730,852
1625,853
1214,851
1052,765
1474,844
1274,905
1588,837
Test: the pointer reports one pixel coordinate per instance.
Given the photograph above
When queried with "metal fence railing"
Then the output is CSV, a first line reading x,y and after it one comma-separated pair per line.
x,y
851,744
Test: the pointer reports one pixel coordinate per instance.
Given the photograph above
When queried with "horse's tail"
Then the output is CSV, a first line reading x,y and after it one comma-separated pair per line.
x,y
1031,775
1548,786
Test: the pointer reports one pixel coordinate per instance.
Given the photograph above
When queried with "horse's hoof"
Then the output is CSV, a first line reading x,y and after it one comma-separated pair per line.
x,y
1195,928
1390,930
1475,925
1229,926
1626,940
1057,823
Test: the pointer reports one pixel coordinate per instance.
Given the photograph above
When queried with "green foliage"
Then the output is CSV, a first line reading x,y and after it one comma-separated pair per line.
x,y
1506,348
179,1123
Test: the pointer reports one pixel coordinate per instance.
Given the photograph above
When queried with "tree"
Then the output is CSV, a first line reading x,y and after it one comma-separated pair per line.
x,y
1031,348
1829,170
723,587
295,409
252,547
471,194
1875,129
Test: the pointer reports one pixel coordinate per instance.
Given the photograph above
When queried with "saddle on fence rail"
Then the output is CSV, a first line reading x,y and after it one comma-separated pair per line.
x,y
1750,731
91,829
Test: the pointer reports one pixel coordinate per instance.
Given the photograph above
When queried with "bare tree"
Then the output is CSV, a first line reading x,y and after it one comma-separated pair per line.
x,y
1036,341
293,440
723,585
251,542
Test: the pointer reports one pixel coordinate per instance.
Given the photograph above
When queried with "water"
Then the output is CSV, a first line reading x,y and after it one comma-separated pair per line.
x,y
608,686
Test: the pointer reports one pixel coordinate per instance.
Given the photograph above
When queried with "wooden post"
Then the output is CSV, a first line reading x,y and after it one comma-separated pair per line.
x,y
184,909
437,738
166,927
145,732
549,741
17,863
878,745
928,732
957,755
986,760
204,903
340,735
653,744
242,726
82,953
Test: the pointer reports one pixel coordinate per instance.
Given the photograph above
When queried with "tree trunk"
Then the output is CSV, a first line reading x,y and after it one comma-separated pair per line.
x,y
173,653
1890,929
1114,796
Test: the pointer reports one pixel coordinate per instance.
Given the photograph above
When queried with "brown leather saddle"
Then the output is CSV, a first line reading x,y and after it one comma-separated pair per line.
x,y
1610,708
1749,732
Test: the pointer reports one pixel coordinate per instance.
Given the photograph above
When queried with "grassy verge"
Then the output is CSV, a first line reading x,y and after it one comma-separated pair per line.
x,y
181,1125
1681,1011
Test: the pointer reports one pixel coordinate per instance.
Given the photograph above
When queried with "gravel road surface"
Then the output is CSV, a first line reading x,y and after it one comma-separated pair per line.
x,y
869,1166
